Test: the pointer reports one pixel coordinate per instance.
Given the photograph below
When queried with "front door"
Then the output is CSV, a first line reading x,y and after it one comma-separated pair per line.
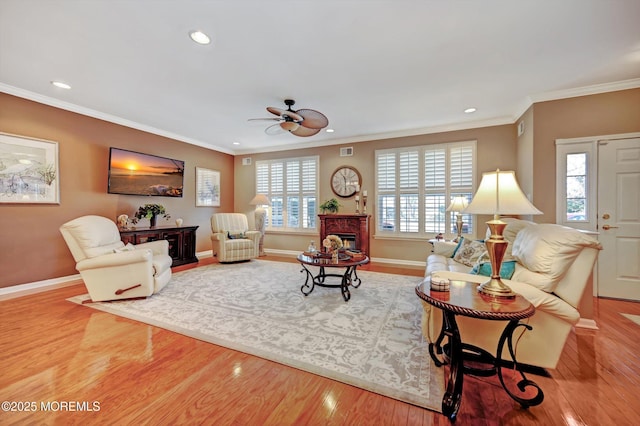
x,y
619,218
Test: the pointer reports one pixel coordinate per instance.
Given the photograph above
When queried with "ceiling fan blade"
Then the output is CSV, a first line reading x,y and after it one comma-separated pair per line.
x,y
274,129
313,119
276,111
285,113
304,131
264,119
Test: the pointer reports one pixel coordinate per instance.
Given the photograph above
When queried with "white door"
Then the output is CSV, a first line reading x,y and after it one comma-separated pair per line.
x,y
619,218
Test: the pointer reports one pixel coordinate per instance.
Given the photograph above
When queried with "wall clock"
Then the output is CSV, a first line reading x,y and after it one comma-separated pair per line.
x,y
345,181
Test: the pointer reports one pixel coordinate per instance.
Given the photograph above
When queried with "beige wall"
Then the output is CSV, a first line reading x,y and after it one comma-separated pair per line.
x,y
496,148
602,114
32,248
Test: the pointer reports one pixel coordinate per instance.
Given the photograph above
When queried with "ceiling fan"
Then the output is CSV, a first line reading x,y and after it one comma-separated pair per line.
x,y
303,122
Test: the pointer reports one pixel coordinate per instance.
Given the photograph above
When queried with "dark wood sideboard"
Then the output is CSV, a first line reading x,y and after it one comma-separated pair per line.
x,y
182,240
352,227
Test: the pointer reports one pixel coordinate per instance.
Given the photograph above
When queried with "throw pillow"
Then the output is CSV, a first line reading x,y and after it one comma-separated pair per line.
x,y
457,247
506,270
469,252
235,235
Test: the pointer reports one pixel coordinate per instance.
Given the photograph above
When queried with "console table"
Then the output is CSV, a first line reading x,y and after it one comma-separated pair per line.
x,y
182,240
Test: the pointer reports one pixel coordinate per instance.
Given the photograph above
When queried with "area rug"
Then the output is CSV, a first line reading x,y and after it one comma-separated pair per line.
x,y
374,341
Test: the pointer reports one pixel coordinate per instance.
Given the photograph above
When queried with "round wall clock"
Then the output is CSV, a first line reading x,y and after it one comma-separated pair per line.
x,y
345,181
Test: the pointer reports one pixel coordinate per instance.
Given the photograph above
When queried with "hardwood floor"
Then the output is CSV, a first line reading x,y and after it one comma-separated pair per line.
x,y
73,357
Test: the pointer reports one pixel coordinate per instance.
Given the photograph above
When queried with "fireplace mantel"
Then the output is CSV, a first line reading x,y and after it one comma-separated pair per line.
x,y
347,224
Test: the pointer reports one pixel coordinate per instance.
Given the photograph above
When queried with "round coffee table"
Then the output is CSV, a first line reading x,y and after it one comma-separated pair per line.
x,y
348,278
464,299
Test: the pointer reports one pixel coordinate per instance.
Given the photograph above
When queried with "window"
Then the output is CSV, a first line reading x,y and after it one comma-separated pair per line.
x,y
414,187
291,185
576,183
576,187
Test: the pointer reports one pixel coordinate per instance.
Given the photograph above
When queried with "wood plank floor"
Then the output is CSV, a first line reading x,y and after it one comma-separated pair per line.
x,y
55,351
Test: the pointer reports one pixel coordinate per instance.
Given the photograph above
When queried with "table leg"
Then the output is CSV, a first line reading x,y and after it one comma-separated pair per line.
x,y
507,337
453,394
306,289
346,280
355,280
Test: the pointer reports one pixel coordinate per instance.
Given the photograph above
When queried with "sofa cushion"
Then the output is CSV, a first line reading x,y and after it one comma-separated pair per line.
x,y
436,263
469,251
548,250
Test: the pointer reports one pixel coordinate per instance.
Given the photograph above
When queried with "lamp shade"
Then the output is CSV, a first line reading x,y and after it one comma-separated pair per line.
x,y
260,200
499,193
458,204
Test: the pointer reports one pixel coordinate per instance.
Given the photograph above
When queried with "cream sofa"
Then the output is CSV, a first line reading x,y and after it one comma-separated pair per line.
x,y
553,266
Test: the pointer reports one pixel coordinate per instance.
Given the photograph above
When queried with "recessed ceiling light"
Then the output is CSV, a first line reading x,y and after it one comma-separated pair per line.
x,y
469,110
199,37
61,85
236,143
329,130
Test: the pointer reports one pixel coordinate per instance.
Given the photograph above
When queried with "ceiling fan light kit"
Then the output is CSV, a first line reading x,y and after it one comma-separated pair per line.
x,y
302,123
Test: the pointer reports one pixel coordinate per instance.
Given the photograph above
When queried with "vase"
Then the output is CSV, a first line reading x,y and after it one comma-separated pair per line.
x,y
153,220
334,256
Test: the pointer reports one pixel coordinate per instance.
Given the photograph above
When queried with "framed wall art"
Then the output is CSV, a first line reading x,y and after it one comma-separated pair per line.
x,y
207,188
29,170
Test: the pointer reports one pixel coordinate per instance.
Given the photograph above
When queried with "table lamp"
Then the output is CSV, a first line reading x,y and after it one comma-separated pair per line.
x,y
498,193
260,200
458,204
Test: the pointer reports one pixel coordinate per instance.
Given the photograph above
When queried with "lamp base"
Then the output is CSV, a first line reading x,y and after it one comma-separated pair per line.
x,y
497,289
496,246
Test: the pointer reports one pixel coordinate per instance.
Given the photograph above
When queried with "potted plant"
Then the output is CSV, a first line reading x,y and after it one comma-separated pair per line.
x,y
331,206
151,212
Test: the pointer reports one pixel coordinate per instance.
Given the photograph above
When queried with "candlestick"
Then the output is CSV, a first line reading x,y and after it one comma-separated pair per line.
x,y
357,204
364,193
364,201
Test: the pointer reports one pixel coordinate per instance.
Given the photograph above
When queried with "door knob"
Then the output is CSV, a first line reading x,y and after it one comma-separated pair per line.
x,y
607,227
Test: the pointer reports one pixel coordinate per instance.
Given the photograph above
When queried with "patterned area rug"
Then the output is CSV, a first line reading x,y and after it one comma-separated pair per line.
x,y
373,341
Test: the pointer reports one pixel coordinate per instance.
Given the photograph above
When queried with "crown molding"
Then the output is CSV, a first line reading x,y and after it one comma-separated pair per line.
x,y
36,97
595,89
518,110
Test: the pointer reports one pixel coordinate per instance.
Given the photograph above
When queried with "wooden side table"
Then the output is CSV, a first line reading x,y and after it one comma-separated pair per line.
x,y
464,299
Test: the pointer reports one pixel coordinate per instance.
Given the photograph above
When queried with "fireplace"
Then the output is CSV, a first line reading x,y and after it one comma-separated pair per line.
x,y
354,228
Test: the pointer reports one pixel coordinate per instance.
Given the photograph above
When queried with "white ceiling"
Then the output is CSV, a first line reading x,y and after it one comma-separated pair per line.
x,y
375,68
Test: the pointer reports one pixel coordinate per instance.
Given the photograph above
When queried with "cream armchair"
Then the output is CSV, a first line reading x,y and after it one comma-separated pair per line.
x,y
231,238
111,270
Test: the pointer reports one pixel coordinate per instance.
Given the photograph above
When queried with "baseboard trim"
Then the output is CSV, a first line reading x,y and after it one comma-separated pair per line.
x,y
587,323
20,290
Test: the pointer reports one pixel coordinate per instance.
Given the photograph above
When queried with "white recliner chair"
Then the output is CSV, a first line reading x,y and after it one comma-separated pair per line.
x,y
111,270
231,238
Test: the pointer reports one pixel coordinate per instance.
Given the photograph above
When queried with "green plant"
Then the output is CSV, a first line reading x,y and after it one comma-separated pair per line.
x,y
150,210
331,205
